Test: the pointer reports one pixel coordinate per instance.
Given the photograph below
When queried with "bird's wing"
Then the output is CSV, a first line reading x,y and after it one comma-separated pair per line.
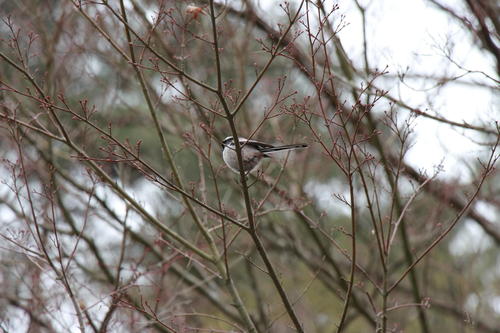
x,y
262,145
284,147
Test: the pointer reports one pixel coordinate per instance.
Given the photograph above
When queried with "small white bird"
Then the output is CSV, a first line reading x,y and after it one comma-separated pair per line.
x,y
252,152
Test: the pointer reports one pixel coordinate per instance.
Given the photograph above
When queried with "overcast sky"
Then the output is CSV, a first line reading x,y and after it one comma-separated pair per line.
x,y
411,37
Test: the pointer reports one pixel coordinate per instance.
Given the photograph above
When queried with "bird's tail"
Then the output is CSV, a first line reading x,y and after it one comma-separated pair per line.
x,y
285,147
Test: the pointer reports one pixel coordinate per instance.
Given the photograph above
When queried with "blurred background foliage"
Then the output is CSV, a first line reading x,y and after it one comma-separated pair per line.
x,y
126,274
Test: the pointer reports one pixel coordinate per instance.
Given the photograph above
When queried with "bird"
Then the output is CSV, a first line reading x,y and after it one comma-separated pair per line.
x,y
252,152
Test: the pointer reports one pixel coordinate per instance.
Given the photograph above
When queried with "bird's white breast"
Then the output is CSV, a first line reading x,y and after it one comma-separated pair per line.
x,y
250,155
